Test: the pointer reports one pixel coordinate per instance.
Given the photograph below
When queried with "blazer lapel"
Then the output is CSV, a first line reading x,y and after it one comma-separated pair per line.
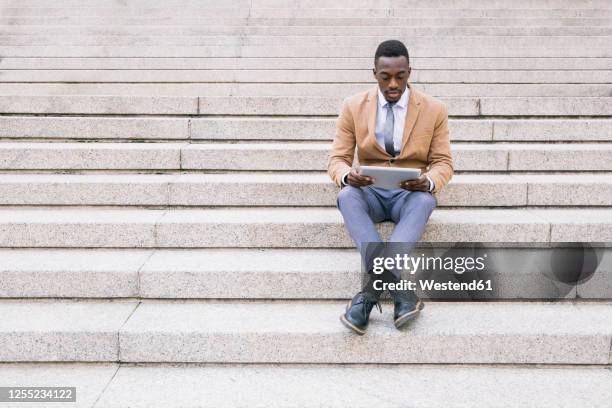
x,y
414,105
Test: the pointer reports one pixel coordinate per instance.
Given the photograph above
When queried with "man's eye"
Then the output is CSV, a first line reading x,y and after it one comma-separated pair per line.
x,y
385,78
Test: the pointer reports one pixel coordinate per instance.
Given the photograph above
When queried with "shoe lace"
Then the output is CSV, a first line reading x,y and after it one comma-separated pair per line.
x,y
369,302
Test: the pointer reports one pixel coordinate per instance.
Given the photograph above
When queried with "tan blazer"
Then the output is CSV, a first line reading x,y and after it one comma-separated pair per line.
x,y
425,144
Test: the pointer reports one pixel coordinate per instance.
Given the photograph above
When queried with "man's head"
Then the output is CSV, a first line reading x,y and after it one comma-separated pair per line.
x,y
392,69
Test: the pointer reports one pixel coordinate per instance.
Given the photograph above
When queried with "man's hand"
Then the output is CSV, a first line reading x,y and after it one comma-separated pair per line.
x,y
420,184
357,180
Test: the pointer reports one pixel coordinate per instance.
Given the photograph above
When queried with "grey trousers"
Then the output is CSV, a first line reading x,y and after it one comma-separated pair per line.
x,y
363,207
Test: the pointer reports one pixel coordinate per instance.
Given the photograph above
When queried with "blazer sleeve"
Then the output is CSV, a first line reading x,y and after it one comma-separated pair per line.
x,y
342,152
439,157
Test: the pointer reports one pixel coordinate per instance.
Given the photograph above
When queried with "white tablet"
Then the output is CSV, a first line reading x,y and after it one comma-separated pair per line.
x,y
389,177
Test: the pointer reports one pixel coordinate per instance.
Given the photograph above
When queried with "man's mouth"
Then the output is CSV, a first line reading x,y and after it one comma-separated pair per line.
x,y
392,93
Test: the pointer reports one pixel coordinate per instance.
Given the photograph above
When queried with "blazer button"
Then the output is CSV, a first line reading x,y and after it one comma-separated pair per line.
x,y
392,161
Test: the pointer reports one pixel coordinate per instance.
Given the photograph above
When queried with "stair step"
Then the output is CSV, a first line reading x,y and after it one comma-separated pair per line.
x,y
359,15
241,28
282,189
291,51
465,42
298,90
308,129
229,128
90,379
299,332
417,62
281,227
292,106
436,4
302,76
285,156
466,157
303,332
233,274
419,18
120,385
62,330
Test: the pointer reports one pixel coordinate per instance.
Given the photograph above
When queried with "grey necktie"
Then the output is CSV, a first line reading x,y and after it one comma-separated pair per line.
x,y
388,129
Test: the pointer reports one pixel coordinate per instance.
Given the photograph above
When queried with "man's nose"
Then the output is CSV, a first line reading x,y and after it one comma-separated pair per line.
x,y
393,84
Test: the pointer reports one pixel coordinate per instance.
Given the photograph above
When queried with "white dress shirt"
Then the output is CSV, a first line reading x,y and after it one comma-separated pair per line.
x,y
399,114
400,111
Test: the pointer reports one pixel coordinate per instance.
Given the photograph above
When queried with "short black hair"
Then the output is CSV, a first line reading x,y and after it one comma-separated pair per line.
x,y
391,48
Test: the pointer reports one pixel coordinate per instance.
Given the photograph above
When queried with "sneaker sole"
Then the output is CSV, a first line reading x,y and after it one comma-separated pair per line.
x,y
351,326
400,321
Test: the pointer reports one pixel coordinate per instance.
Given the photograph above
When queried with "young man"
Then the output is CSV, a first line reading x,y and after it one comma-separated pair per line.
x,y
393,125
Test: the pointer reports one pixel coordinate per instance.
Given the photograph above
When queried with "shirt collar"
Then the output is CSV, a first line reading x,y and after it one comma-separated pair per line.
x,y
403,101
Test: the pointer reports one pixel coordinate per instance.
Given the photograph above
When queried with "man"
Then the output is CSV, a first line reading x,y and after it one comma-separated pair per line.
x,y
392,125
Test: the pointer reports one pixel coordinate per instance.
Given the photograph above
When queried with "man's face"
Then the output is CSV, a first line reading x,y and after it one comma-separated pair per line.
x,y
392,74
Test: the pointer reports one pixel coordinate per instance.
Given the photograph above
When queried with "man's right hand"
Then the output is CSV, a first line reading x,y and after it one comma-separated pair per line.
x,y
357,180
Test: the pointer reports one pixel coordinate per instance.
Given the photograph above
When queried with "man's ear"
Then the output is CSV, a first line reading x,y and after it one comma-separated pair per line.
x,y
374,72
409,72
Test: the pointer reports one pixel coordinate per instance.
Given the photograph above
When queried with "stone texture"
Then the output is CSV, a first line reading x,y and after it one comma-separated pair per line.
x,y
61,330
92,128
311,386
290,332
310,274
97,104
576,189
307,129
70,272
97,189
575,156
239,26
89,156
262,128
565,106
290,6
319,25
89,379
290,51
578,225
317,190
255,156
483,190
305,228
246,273
304,76
313,156
292,89
553,130
288,189
255,189
304,106
43,227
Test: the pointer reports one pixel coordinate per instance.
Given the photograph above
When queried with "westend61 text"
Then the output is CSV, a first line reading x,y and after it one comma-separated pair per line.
x,y
430,284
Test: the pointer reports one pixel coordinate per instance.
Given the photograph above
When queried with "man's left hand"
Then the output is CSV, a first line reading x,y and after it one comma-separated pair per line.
x,y
420,184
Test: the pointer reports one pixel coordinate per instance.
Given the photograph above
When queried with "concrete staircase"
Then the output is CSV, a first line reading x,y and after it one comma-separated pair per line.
x,y
164,201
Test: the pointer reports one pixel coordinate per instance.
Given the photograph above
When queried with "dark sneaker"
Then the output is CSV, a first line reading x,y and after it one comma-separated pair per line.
x,y
358,310
406,307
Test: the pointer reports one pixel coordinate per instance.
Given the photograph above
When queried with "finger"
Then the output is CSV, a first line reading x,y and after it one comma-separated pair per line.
x,y
359,182
366,179
415,185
